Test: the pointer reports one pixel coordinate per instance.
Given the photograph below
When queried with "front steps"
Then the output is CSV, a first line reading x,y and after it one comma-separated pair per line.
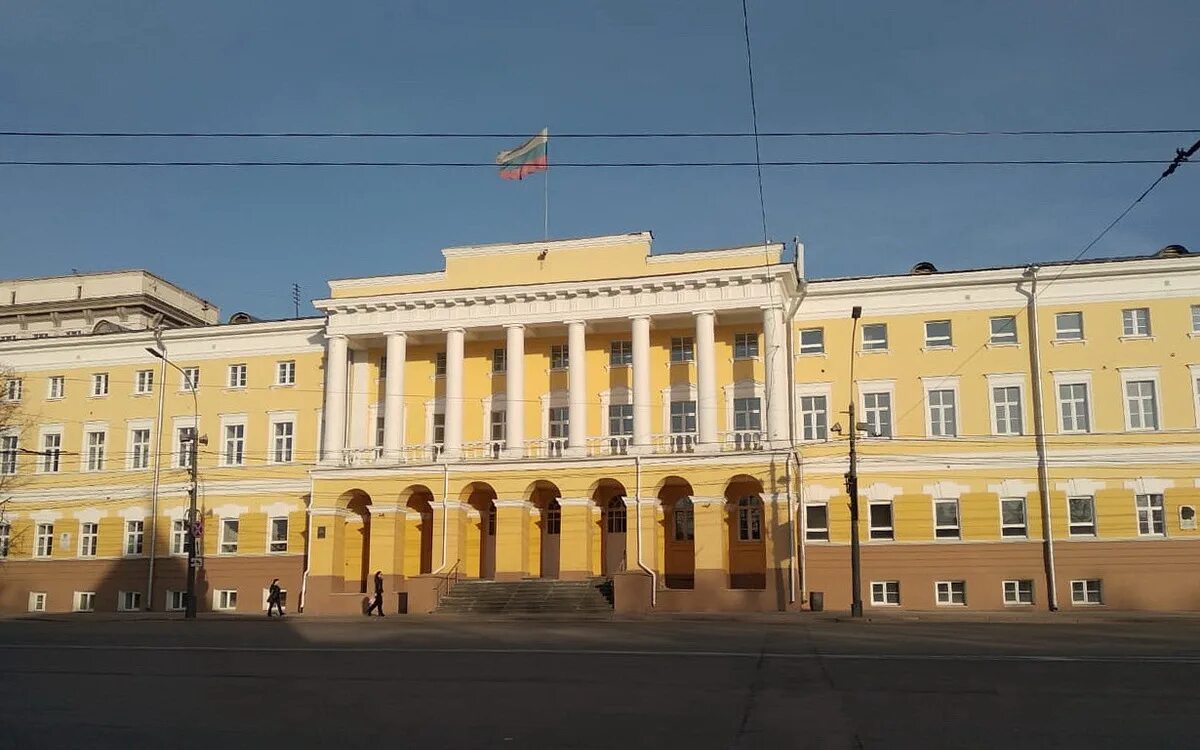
x,y
529,596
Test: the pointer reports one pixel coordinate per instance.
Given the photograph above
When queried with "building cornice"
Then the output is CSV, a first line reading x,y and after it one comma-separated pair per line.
x,y
583,243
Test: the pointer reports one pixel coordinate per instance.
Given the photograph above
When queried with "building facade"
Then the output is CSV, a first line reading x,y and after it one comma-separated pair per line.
x,y
677,422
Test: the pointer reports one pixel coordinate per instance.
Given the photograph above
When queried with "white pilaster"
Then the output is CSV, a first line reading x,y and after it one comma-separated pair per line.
x,y
577,385
641,381
393,398
452,447
514,390
706,380
335,397
775,358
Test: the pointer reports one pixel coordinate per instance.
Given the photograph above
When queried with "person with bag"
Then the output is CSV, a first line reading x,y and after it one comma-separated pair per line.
x,y
377,603
275,598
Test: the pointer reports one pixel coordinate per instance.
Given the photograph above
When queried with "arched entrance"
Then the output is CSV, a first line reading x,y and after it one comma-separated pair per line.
x,y
679,535
355,540
418,530
609,497
544,495
745,523
480,536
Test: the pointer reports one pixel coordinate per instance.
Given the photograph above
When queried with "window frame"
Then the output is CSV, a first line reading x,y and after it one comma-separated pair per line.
x,y
179,537
873,345
225,600
95,451
941,386
129,601
51,458
948,589
1151,526
233,442
139,452
745,345
870,413
617,416
683,350
685,416
1060,330
747,414
1141,378
821,532
143,382
1003,338
560,357
1082,592
620,353
277,546
43,540
814,421
1075,412
499,361
89,539
1135,323
134,538
439,364
285,372
56,387
750,519
14,389
1002,425
882,591
10,449
954,530
1023,527
189,379
939,341
38,601
237,376
889,529
809,348
1018,589
99,386
175,606
683,521
283,452
1087,529
78,599
224,546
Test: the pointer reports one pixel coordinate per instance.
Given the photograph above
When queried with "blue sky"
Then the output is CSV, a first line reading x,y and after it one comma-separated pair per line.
x,y
241,237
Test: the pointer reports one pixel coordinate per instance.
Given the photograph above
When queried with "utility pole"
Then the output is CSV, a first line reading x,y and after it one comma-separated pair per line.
x,y
192,522
296,299
856,606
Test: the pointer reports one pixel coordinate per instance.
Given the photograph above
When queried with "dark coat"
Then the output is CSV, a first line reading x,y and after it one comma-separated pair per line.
x,y
273,594
378,584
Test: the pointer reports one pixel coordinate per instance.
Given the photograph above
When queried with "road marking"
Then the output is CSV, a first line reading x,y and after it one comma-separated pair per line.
x,y
1036,658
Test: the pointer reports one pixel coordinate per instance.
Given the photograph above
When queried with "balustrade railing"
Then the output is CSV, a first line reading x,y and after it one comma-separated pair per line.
x,y
742,440
614,445
676,442
486,449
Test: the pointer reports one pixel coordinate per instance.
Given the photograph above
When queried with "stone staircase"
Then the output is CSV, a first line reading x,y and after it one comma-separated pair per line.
x,y
592,596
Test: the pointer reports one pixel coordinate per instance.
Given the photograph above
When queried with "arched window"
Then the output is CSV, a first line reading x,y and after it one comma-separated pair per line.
x,y
750,519
553,518
684,520
614,520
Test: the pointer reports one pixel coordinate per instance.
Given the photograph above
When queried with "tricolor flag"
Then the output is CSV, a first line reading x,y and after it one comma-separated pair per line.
x,y
529,157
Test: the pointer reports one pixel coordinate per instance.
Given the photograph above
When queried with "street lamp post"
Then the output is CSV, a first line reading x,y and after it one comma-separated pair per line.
x,y
856,606
193,442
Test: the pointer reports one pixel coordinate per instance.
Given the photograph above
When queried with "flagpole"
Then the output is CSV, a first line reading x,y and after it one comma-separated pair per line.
x,y
546,195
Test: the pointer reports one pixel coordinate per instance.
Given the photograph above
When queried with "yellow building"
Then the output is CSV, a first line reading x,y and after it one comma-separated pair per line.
x,y
585,409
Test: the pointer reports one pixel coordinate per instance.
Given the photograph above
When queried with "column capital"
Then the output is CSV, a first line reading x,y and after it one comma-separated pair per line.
x,y
574,321
518,326
397,334
640,316
709,311
454,329
771,306
336,337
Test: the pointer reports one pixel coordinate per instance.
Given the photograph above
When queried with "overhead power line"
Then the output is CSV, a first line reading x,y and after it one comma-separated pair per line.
x,y
597,165
585,135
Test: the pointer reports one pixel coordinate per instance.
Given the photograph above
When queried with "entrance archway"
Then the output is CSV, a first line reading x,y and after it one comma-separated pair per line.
x,y
418,530
356,540
544,495
480,537
679,535
745,523
609,497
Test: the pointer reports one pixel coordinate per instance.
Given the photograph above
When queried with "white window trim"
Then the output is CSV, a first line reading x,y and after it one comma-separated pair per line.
x,y
800,342
804,520
167,607
1151,534
229,376
231,420
267,592
92,385
1000,344
34,604
137,382
1148,336
1075,377
77,607
950,590
938,347
615,396
891,504
887,386
1085,603
130,426
274,418
813,389
757,346
1135,374
1018,603
50,387
677,392
90,427
280,383
1095,520
184,386
885,602
1000,508
744,389
273,515
1007,380
941,383
178,423
121,601
43,431
216,600
933,503
221,534
1082,328
862,339
81,537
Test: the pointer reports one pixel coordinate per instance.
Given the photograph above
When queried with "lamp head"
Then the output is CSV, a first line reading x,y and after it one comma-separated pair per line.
x,y
856,312
154,352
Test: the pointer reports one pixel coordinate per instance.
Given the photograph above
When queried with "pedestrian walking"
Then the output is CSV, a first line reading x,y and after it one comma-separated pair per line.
x,y
275,598
378,602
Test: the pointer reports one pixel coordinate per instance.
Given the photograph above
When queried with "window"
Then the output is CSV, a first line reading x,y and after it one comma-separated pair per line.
x,y
51,452
176,601
560,357
439,365
1018,592
439,428
235,444
745,345
881,520
937,333
747,414
874,337
5,539
616,519
877,412
144,382
237,376
184,444
1006,400
89,537
560,422
382,368
942,420
498,424
683,417
190,379
885,593
279,534
1004,330
100,384
1195,318
285,372
682,349
816,522
281,448
553,519
37,601
1068,326
135,535
139,448
179,537
945,519
750,519
95,450
85,601
951,592
1136,321
1086,592
1081,512
620,353
55,386
225,599
1012,517
229,535
8,455
812,341
13,388
1073,407
380,427
684,520
499,361
620,419
1150,515
1141,403
815,416
43,540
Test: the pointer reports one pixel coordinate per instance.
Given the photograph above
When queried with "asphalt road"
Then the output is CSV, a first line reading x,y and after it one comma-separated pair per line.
x,y
661,683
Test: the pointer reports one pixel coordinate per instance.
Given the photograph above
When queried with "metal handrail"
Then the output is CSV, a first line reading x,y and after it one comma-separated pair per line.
x,y
445,586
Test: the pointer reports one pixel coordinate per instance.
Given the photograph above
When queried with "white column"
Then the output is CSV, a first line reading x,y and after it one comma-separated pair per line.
x,y
335,397
577,388
452,447
706,380
514,391
775,357
641,380
393,396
